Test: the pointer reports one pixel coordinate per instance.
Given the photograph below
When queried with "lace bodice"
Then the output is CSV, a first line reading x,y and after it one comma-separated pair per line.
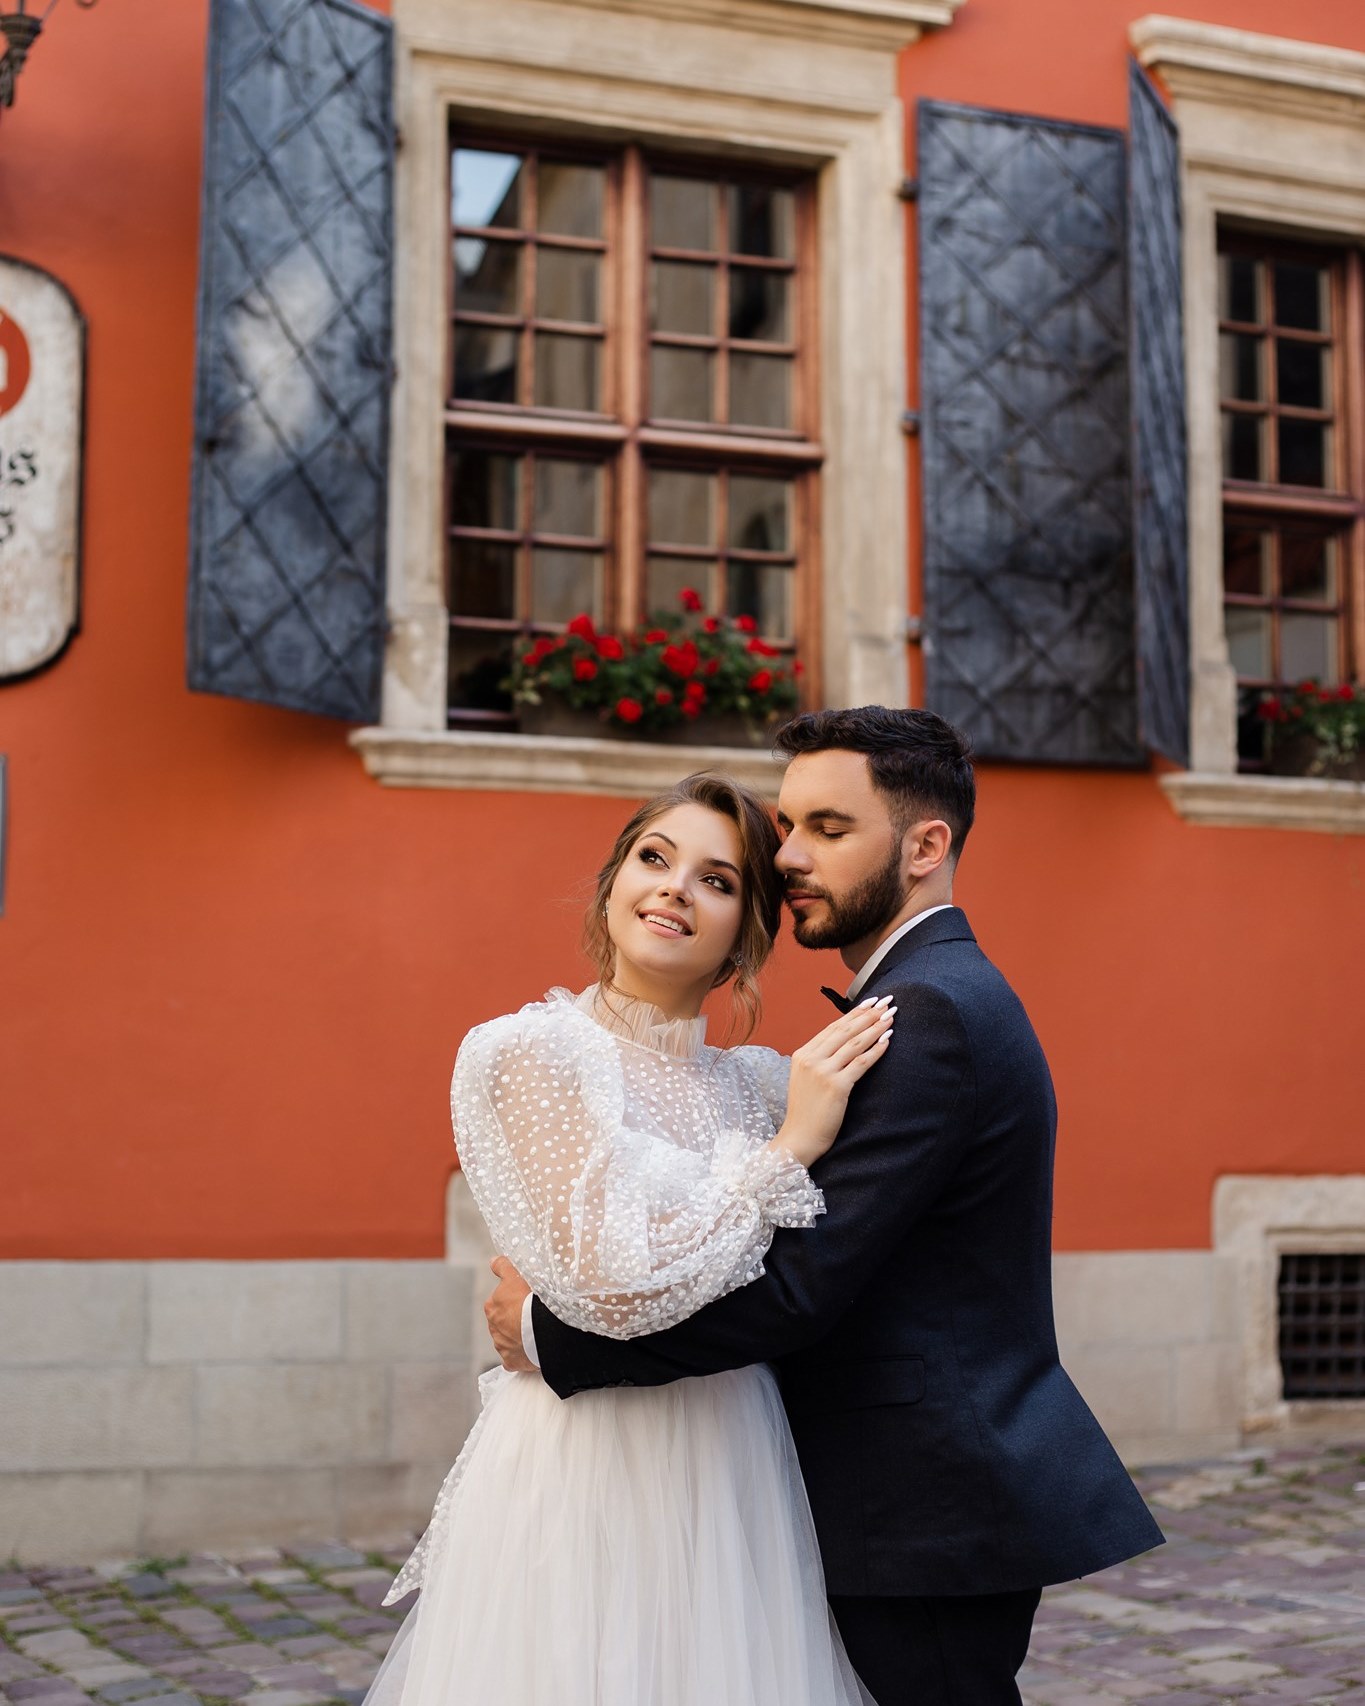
x,y
622,1163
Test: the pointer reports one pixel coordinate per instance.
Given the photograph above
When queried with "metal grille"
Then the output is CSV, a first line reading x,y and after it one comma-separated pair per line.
x,y
289,496
1028,523
1322,1325
1160,503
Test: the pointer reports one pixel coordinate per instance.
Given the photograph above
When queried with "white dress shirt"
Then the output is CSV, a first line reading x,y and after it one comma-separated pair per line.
x,y
885,946
879,953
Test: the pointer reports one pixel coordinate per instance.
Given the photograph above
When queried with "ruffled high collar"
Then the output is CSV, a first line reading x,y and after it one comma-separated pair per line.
x,y
641,1022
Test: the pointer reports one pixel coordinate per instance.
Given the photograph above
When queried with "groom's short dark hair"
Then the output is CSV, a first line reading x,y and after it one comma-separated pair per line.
x,y
917,759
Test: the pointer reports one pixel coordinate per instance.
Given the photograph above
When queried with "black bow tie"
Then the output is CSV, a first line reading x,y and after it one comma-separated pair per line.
x,y
842,1002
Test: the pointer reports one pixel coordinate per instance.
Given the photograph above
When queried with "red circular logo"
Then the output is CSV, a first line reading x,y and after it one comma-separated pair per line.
x,y
15,363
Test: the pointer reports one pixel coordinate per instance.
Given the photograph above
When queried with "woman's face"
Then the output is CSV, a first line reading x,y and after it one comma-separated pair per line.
x,y
677,903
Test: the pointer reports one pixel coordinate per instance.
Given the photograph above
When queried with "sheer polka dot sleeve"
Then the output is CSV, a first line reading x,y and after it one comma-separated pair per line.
x,y
628,1187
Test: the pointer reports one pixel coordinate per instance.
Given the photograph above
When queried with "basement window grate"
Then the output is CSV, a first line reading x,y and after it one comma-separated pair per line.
x,y
1322,1325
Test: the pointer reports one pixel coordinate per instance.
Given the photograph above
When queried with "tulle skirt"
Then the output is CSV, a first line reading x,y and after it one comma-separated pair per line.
x,y
630,1547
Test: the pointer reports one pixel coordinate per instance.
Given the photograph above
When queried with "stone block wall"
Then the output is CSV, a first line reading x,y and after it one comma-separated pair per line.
x,y
153,1407
157,1407
1153,1340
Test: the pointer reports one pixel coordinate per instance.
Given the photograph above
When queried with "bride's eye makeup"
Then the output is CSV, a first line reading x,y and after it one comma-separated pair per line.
x,y
652,855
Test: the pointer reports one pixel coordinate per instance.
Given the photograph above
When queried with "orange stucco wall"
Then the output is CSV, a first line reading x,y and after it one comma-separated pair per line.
x,y
234,971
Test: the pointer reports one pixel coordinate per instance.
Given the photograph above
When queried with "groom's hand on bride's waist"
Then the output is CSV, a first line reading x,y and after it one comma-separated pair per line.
x,y
503,1312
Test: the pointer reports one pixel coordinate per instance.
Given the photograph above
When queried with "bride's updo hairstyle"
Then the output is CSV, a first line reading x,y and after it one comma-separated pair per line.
x,y
762,886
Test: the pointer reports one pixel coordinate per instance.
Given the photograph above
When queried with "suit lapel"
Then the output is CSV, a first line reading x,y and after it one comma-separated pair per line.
x,y
949,925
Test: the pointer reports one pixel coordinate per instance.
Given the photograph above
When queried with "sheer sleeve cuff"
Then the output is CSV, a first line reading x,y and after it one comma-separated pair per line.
x,y
780,1187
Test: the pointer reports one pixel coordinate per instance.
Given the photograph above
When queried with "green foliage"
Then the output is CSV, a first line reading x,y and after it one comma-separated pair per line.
x,y
673,670
1332,717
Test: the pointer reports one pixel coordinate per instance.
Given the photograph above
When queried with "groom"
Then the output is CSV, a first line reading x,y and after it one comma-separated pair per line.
x,y
952,1467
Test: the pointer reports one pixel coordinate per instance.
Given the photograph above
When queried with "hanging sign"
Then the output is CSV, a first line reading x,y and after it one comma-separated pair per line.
x,y
42,379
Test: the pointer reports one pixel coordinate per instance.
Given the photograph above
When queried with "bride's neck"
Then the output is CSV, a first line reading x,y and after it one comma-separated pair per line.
x,y
673,999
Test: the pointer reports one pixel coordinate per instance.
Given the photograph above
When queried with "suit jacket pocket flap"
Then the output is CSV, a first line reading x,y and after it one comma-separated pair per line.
x,y
859,1385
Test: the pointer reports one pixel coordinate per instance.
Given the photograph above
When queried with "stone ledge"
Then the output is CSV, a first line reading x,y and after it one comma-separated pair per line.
x,y
885,25
550,764
1268,802
1194,55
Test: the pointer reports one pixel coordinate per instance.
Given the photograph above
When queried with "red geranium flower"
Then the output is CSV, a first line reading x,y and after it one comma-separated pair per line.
x,y
681,660
656,637
610,647
584,669
1271,710
663,695
582,626
712,625
691,708
798,668
746,624
1346,691
712,665
1309,684
690,598
1296,710
761,680
629,710
694,693
760,648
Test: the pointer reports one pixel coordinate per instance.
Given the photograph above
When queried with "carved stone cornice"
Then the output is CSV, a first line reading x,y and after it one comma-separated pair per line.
x,y
1268,802
888,25
1210,62
552,764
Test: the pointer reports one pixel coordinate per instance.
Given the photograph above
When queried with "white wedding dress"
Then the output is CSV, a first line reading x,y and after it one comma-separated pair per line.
x,y
632,1546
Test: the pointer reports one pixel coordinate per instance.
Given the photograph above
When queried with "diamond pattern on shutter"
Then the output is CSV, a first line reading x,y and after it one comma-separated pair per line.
x,y
1160,464
1027,521
289,497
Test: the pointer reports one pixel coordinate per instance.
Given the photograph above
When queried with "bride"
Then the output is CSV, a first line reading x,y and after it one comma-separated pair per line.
x,y
642,1546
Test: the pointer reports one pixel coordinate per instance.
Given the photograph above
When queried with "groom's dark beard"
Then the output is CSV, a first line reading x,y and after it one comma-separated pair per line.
x,y
864,911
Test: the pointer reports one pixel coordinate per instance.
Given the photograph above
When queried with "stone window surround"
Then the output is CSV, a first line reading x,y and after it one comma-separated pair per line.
x,y
1256,1219
804,83
1266,124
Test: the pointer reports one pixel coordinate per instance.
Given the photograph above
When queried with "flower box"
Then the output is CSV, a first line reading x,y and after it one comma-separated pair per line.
x,y
1317,731
723,729
1303,755
692,679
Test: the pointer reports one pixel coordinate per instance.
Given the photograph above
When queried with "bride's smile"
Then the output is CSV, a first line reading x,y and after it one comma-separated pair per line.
x,y
675,908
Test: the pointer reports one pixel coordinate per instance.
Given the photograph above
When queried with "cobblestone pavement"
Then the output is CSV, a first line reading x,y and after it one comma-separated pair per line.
x,y
1259,1597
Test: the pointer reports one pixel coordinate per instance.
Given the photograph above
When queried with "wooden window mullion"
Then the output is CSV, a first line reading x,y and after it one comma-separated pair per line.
x,y
1351,408
632,340
530,219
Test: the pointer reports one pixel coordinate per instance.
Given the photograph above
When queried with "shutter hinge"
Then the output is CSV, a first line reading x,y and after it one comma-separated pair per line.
x,y
910,422
909,190
398,139
914,630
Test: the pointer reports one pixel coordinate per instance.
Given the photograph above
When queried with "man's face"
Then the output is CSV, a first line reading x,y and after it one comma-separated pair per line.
x,y
840,854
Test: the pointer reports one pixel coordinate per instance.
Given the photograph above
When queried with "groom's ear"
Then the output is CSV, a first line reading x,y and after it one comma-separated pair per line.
x,y
926,848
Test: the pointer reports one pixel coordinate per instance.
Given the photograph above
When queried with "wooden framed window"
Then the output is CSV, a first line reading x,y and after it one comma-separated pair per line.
x,y
1292,398
631,403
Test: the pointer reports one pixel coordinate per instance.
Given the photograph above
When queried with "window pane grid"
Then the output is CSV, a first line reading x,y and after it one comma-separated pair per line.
x,y
736,238
1278,348
1294,517
739,506
528,292
1322,1325
527,289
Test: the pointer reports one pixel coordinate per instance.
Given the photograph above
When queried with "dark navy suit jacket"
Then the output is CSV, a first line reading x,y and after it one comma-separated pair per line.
x,y
944,1449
